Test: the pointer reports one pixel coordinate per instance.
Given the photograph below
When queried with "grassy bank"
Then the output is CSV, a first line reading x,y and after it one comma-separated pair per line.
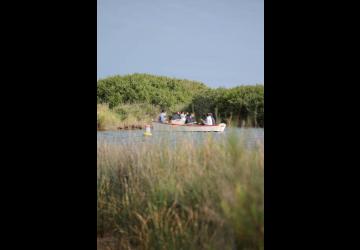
x,y
125,116
182,196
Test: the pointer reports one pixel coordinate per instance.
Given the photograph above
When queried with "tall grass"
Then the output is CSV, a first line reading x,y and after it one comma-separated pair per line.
x,y
180,195
125,116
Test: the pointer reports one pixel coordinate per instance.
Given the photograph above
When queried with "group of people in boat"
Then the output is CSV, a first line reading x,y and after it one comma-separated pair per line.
x,y
186,118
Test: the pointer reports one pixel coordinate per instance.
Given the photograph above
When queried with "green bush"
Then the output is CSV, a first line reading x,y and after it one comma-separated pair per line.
x,y
237,105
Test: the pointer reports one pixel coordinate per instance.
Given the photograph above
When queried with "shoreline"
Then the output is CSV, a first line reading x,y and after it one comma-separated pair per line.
x,y
135,127
131,127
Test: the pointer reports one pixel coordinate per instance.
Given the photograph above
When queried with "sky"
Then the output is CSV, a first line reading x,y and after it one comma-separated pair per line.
x,y
217,42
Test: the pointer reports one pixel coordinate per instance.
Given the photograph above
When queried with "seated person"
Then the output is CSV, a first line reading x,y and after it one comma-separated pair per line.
x,y
176,119
176,116
183,117
162,116
213,119
208,121
190,118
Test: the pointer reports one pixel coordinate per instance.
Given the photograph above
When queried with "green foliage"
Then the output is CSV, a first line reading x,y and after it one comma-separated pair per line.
x,y
106,118
239,104
139,111
143,88
243,103
122,116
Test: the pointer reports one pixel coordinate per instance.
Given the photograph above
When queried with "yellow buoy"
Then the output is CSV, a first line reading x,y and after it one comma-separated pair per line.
x,y
147,130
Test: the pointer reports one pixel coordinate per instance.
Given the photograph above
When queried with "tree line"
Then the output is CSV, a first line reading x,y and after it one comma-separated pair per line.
x,y
239,106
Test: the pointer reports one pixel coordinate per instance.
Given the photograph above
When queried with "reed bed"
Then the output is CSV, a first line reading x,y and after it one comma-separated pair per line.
x,y
181,195
125,116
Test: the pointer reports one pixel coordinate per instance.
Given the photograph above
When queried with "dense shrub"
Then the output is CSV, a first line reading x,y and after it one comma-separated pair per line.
x,y
239,105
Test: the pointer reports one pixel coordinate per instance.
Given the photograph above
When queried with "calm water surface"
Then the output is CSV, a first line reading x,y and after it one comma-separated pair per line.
x,y
250,136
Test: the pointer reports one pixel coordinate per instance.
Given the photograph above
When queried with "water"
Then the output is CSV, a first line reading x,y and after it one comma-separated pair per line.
x,y
250,136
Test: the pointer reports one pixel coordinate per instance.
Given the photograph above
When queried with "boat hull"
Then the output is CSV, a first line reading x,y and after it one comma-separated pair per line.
x,y
188,128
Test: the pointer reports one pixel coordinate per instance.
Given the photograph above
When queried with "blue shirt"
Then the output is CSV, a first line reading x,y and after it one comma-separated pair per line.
x,y
162,117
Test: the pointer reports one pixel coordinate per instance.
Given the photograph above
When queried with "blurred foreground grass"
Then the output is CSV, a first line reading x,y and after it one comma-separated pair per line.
x,y
183,196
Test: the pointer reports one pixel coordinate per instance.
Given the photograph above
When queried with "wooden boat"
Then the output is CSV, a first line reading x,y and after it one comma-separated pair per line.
x,y
157,126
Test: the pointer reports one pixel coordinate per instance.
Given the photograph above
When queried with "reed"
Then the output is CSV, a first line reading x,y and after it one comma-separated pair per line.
x,y
126,116
180,195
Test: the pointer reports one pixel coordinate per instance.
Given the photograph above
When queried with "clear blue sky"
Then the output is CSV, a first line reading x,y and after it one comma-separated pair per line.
x,y
218,42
